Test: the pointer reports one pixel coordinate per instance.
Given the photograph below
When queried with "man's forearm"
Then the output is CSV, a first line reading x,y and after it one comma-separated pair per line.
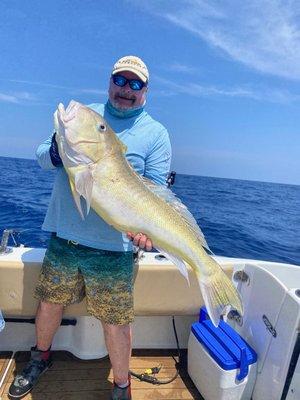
x,y
43,155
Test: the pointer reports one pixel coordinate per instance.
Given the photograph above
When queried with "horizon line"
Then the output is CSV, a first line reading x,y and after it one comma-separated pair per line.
x,y
179,173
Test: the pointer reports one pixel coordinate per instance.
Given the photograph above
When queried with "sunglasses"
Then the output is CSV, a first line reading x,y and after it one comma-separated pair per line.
x,y
135,84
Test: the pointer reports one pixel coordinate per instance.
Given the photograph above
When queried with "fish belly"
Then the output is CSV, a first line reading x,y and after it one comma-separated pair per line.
x,y
129,206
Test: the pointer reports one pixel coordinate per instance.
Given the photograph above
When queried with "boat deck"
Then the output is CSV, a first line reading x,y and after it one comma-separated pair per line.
x,y
72,378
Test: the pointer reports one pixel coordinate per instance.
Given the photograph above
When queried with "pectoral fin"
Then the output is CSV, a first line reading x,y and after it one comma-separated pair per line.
x,y
76,197
84,185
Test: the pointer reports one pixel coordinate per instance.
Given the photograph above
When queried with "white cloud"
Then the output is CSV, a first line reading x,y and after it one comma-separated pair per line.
x,y
91,91
262,34
42,84
17,97
7,98
178,67
255,93
26,96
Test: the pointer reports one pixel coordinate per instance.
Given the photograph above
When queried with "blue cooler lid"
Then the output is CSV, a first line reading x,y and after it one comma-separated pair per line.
x,y
225,345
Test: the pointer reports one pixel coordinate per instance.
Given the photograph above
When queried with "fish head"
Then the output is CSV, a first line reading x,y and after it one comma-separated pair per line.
x,y
83,135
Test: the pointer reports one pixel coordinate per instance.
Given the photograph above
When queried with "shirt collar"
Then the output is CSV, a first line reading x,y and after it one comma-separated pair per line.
x,y
133,112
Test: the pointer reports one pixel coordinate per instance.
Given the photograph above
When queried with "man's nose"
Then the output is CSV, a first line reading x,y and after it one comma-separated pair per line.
x,y
127,88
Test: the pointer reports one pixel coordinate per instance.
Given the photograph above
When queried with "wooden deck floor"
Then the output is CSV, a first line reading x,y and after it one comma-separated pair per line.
x,y
71,378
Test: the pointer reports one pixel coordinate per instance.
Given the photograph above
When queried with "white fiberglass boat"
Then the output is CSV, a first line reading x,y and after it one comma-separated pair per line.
x,y
270,324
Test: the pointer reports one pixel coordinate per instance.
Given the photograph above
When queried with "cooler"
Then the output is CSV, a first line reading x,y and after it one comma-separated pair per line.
x,y
220,363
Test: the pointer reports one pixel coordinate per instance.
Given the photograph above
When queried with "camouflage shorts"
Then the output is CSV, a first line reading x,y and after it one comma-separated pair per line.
x,y
71,271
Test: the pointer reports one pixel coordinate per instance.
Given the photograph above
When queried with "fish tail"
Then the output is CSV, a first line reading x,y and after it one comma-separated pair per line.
x,y
219,292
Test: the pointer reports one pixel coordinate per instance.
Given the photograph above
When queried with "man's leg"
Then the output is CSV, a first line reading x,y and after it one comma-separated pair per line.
x,y
118,343
47,322
48,319
60,283
109,293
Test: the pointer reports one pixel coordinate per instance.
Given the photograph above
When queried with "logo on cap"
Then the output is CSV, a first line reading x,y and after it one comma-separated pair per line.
x,y
133,64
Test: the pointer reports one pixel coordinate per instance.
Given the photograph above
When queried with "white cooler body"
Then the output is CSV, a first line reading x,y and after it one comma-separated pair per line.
x,y
213,382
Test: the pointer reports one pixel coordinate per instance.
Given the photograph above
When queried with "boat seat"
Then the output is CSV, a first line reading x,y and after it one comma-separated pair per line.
x,y
160,289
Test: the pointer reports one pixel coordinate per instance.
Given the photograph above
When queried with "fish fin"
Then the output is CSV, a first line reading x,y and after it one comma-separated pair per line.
x,y
167,195
177,261
76,197
84,185
56,123
218,293
61,113
71,110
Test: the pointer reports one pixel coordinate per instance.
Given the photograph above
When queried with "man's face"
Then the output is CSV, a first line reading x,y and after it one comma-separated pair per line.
x,y
124,98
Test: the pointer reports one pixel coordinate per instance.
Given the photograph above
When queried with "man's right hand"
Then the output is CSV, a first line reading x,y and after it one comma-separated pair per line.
x,y
140,240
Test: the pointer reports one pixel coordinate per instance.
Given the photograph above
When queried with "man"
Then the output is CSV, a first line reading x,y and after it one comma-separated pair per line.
x,y
90,257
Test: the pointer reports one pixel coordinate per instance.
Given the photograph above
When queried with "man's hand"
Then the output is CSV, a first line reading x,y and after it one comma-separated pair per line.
x,y
140,240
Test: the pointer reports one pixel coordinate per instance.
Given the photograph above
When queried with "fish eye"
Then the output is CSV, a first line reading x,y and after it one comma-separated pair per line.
x,y
102,128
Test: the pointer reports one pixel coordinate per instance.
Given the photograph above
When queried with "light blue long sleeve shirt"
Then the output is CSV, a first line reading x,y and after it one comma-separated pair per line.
x,y
149,153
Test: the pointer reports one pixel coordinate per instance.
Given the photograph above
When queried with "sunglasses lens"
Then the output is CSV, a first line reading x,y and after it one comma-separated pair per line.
x,y
119,80
136,84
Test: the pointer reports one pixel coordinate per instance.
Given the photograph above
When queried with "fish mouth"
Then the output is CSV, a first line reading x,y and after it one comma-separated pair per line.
x,y
67,137
75,143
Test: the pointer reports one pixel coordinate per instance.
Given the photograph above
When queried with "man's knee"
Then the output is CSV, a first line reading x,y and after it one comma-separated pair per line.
x,y
50,308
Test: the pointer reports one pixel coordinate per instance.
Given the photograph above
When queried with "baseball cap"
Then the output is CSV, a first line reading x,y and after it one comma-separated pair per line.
x,y
133,64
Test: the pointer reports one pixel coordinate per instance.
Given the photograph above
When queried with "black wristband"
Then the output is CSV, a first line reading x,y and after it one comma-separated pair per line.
x,y
54,154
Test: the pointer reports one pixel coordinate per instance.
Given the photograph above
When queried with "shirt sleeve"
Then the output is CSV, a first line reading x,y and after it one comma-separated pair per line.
x,y
98,107
158,161
43,154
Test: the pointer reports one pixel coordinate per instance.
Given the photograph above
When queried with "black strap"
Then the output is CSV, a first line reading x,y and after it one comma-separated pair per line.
x,y
54,154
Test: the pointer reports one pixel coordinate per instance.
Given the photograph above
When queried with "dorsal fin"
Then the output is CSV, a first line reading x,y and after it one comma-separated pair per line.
x,y
177,205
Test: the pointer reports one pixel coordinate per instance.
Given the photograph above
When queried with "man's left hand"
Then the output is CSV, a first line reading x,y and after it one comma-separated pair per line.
x,y
140,240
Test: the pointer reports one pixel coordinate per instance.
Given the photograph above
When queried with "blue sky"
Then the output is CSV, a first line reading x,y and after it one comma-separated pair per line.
x,y
224,76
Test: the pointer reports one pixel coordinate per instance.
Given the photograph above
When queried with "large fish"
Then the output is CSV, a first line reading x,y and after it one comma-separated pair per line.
x,y
94,159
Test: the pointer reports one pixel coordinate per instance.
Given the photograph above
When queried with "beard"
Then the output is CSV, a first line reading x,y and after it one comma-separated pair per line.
x,y
124,101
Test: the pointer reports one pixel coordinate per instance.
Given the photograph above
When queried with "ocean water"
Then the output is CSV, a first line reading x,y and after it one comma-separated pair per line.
x,y
239,218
